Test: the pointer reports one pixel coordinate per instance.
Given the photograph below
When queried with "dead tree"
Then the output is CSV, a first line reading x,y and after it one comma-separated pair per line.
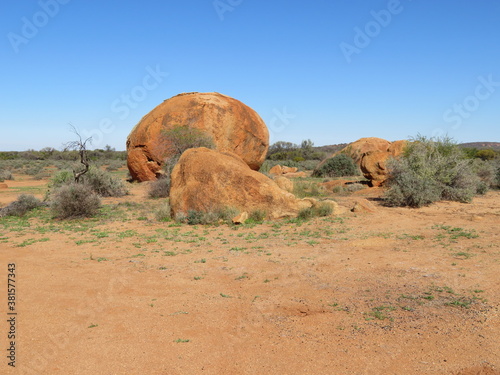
x,y
80,145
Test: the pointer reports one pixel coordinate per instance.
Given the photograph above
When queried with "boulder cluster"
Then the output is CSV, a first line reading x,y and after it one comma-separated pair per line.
x,y
207,180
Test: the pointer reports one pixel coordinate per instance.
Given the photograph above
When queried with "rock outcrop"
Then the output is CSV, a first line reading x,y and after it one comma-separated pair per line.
x,y
371,155
233,126
358,148
207,180
373,164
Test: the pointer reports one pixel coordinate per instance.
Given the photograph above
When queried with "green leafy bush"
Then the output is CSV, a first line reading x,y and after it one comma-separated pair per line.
x,y
338,166
174,141
5,175
75,200
431,170
104,183
21,206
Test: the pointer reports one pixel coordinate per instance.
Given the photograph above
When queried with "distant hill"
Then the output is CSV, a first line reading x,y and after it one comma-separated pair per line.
x,y
330,149
482,145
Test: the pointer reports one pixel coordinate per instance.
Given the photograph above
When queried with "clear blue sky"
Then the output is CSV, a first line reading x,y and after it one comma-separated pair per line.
x,y
331,71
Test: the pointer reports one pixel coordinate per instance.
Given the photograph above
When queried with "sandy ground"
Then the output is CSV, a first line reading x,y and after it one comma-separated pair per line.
x,y
396,291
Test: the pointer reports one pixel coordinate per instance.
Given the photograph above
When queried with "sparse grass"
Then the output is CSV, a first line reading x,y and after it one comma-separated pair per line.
x,y
216,216
163,213
380,312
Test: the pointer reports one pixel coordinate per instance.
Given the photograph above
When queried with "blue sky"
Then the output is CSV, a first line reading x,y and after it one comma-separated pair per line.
x,y
331,71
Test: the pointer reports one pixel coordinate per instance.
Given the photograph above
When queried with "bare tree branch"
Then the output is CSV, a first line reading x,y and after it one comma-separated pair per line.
x,y
80,146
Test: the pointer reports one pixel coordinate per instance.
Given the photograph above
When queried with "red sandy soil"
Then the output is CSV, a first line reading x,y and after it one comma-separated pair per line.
x,y
397,291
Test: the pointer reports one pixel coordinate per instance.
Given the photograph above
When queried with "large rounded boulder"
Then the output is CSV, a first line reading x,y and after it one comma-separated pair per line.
x,y
207,180
233,126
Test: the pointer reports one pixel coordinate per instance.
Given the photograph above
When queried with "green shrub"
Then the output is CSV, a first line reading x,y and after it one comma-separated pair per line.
x,y
486,154
178,139
101,182
159,188
21,206
497,174
306,213
42,175
303,189
320,210
34,170
431,170
338,166
257,216
114,165
104,183
6,175
75,200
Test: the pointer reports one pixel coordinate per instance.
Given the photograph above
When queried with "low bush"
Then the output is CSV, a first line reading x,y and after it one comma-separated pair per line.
x,y
497,174
431,170
75,200
159,188
21,206
114,165
339,166
163,213
6,175
103,183
303,189
33,170
257,216
321,210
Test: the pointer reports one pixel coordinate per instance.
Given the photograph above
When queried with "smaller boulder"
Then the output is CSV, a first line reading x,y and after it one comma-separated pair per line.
x,y
241,218
207,180
276,170
363,205
284,183
289,169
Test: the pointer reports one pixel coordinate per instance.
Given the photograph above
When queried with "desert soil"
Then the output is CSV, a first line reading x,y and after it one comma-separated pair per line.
x,y
395,291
